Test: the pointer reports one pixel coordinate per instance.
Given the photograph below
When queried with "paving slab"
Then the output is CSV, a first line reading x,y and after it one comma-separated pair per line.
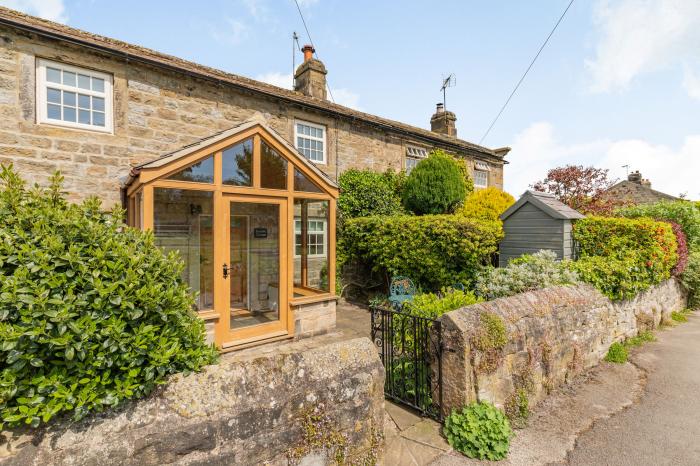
x,y
403,417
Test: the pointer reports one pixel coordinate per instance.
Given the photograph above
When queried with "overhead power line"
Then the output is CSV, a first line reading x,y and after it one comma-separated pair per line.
x,y
522,78
308,34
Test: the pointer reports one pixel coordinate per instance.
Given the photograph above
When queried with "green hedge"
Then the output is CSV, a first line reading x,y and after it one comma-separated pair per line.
x,y
91,312
684,213
433,250
364,193
621,256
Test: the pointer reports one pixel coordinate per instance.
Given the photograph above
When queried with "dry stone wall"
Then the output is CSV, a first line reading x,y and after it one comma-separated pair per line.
x,y
251,408
552,335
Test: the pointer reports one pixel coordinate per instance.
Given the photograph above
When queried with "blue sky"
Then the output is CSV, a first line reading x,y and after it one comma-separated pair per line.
x,y
618,84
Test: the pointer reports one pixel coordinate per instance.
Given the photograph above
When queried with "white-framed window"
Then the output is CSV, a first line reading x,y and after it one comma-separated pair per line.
x,y
481,175
73,97
413,156
316,238
311,140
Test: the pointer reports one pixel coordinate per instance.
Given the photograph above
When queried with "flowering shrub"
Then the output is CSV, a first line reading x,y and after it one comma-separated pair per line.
x,y
433,250
623,256
486,204
527,273
682,250
686,214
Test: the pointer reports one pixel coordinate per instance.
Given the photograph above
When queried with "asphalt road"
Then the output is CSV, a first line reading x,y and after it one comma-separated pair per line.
x,y
663,426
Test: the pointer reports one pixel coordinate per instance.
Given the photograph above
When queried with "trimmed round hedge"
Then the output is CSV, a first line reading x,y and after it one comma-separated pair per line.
x,y
91,312
435,186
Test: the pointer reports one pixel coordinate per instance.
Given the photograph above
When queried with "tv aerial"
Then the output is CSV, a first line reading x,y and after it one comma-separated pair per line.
x,y
450,81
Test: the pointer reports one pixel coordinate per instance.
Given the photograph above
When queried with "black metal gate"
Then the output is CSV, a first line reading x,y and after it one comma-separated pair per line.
x,y
411,351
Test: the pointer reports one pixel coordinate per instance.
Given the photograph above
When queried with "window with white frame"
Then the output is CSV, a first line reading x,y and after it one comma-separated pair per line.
x,y
316,238
74,97
413,156
481,175
311,140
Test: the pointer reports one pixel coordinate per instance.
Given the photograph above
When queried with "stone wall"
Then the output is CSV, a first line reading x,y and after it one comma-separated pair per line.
x,y
155,112
552,334
251,408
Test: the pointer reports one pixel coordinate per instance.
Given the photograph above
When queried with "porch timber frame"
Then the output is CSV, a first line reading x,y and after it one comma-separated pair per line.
x,y
152,175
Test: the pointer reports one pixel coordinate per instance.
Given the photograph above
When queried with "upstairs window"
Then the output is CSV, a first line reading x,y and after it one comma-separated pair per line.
x,y
481,175
311,140
413,156
73,97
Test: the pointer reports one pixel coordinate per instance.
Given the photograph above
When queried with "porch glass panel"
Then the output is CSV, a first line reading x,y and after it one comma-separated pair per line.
x,y
311,220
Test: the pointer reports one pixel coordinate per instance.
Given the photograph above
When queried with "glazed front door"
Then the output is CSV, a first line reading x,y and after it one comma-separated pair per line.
x,y
254,274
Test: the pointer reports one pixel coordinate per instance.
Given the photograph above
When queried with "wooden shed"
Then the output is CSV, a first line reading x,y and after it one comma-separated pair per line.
x,y
537,221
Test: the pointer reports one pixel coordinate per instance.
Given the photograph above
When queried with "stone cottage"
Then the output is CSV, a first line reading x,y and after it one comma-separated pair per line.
x,y
235,174
637,190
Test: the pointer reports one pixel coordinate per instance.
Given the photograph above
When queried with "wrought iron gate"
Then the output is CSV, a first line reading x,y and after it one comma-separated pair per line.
x,y
411,351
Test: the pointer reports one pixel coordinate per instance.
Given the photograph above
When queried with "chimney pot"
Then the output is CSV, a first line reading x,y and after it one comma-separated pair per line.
x,y
443,122
308,52
635,177
440,107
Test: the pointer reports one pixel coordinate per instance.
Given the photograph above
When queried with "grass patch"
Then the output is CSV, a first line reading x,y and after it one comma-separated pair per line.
x,y
640,339
681,316
617,353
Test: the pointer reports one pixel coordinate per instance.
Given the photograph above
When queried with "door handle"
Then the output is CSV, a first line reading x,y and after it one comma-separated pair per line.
x,y
226,271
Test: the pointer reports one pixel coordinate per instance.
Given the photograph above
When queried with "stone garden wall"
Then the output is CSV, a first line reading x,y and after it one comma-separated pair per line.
x,y
254,407
552,335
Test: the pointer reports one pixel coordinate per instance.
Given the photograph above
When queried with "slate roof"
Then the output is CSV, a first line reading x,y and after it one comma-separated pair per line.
x,y
548,203
137,53
631,191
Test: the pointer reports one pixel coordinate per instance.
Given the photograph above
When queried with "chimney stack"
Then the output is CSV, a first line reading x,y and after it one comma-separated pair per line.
x,y
443,122
310,77
636,177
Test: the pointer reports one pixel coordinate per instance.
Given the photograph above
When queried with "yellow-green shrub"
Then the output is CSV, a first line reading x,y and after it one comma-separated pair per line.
x,y
486,204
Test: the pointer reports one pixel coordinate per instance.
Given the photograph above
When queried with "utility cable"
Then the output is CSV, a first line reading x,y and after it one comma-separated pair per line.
x,y
515,89
308,34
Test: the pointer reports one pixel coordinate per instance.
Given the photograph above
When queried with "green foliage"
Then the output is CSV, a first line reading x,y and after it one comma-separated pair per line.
x,y
435,186
433,250
684,213
617,353
679,317
466,172
91,312
433,305
486,204
639,340
526,273
621,256
492,332
517,408
691,279
480,431
364,193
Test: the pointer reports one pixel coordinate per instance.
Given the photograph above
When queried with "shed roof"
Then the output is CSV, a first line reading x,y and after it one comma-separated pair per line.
x,y
547,203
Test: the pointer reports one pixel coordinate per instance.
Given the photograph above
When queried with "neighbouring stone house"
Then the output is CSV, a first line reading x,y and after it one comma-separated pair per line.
x,y
637,190
235,174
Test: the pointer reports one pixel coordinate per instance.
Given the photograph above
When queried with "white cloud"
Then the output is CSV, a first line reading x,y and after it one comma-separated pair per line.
x,y
536,150
276,79
691,83
53,10
642,36
342,96
233,32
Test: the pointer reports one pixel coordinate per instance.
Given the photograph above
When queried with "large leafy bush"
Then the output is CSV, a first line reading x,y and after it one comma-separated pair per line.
x,y
615,278
480,431
435,186
526,273
364,193
486,204
91,313
434,250
686,214
691,280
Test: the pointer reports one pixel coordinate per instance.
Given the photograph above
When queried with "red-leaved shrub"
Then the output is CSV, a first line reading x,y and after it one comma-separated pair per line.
x,y
682,250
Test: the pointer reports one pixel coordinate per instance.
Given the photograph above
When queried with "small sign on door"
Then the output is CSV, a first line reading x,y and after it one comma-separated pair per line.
x,y
259,232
